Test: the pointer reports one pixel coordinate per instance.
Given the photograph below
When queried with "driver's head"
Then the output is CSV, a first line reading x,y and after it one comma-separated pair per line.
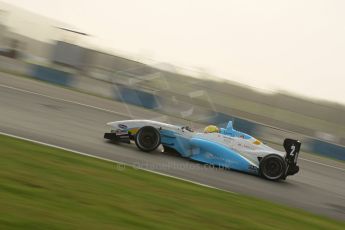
x,y
211,129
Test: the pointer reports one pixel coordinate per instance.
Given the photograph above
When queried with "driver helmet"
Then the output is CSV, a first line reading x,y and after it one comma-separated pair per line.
x,y
211,129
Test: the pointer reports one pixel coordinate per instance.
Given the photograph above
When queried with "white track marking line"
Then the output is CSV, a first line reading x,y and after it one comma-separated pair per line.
x,y
64,100
315,162
113,161
121,114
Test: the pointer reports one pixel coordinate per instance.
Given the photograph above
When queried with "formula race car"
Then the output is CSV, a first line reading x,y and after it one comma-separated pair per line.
x,y
225,147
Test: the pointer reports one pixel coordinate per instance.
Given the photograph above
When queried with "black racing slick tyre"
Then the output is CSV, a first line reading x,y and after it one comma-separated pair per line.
x,y
147,139
273,167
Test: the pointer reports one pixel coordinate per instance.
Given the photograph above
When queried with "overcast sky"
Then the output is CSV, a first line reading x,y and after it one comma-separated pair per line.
x,y
294,45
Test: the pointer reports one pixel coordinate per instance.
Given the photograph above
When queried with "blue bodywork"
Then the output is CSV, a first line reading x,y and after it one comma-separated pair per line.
x,y
200,149
230,131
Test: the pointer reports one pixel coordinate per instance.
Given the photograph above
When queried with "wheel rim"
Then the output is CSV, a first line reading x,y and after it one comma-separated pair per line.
x,y
273,168
148,139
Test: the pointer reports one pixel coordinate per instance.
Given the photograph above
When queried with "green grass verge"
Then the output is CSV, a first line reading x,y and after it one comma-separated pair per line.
x,y
47,188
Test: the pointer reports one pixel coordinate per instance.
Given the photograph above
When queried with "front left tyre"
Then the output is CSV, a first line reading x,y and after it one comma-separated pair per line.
x,y
147,139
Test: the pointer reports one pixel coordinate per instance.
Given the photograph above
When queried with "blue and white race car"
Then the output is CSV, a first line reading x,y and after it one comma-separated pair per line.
x,y
225,147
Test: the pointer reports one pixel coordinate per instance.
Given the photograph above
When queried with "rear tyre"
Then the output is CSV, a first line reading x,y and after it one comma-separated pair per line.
x,y
273,167
147,139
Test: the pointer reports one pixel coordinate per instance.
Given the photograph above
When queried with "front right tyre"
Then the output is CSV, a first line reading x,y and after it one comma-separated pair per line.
x,y
273,167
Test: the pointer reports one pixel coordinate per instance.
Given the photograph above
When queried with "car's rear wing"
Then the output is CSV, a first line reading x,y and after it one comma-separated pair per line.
x,y
292,148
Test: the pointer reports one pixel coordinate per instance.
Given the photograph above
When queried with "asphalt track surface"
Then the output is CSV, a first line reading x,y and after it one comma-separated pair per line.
x,y
74,120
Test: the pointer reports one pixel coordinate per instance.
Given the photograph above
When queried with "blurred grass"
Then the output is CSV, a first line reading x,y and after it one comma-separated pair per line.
x,y
47,188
